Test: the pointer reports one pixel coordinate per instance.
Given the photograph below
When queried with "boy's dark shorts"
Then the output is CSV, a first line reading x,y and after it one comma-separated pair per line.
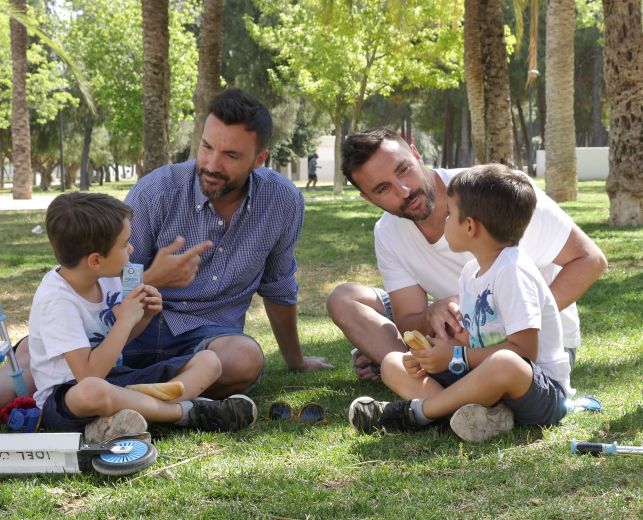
x,y
57,417
543,404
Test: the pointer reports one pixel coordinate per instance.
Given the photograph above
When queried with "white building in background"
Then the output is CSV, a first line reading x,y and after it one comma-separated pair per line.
x,y
592,164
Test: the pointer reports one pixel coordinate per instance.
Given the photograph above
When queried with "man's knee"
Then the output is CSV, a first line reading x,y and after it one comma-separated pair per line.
x,y
240,355
344,297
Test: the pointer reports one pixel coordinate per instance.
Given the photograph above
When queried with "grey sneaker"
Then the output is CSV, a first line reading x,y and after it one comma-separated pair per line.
x,y
477,423
229,415
369,416
105,428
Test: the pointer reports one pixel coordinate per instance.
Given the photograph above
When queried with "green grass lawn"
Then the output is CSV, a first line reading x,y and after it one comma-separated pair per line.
x,y
293,470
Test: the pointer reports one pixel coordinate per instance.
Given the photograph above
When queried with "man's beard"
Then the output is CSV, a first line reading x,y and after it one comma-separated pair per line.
x,y
425,211
209,192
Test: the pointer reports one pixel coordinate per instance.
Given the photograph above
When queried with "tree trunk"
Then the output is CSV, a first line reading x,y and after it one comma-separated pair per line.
x,y
156,84
623,56
20,133
598,132
208,78
517,151
525,137
447,138
560,152
338,177
542,113
474,76
499,140
465,138
84,159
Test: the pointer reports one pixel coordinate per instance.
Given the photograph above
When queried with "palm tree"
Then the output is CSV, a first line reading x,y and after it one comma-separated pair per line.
x,y
20,134
560,148
487,79
208,80
623,56
156,84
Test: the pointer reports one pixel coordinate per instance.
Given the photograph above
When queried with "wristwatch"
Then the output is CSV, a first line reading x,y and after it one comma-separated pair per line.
x,y
457,366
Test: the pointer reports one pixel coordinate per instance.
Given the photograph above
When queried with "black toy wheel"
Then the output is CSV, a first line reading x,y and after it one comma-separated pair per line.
x,y
143,454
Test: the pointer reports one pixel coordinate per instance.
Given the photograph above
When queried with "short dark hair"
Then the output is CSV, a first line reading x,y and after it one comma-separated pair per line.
x,y
503,200
233,107
79,224
359,147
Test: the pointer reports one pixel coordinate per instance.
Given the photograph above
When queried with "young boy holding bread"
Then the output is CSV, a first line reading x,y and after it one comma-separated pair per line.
x,y
510,363
79,324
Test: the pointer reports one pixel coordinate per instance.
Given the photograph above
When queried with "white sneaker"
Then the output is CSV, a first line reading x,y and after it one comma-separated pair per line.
x,y
104,428
477,423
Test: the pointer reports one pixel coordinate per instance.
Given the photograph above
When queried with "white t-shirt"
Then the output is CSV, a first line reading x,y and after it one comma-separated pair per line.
x,y
513,296
405,258
61,321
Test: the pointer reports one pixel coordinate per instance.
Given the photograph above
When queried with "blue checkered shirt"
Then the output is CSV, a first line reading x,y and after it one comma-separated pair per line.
x,y
255,254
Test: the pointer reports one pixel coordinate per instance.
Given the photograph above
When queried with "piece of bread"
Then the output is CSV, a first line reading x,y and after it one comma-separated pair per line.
x,y
415,340
163,391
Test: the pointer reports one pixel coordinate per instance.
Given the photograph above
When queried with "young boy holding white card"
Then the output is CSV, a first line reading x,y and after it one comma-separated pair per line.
x,y
79,325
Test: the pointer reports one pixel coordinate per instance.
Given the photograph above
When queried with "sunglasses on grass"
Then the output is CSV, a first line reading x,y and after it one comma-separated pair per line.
x,y
310,412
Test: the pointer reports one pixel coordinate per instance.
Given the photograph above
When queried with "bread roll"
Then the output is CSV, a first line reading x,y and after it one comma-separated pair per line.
x,y
415,340
163,391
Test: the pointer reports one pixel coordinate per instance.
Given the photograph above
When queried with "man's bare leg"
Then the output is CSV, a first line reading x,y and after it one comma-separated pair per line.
x,y
359,313
7,393
241,362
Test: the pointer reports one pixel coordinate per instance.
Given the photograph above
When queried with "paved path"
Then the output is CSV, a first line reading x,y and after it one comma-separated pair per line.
x,y
37,202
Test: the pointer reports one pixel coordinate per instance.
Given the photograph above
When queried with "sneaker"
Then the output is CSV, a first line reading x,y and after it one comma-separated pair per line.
x,y
121,423
369,416
228,415
477,423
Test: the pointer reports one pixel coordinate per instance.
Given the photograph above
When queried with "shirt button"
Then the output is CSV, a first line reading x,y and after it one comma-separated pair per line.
x,y
184,303
198,206
215,278
221,222
220,250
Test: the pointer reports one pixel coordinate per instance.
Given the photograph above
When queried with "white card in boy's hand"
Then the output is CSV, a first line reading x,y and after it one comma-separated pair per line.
x,y
132,277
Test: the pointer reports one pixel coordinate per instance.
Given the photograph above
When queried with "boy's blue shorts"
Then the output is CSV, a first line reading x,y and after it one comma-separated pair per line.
x,y
56,416
543,404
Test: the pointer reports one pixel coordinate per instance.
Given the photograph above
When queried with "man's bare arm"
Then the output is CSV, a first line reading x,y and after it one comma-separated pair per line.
x,y
582,264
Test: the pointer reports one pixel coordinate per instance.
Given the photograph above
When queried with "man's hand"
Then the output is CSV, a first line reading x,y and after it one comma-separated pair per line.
x,y
153,302
412,366
312,364
435,359
175,270
443,317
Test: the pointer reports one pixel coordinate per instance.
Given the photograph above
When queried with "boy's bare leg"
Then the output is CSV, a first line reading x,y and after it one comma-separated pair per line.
x,y
95,396
7,392
358,312
503,375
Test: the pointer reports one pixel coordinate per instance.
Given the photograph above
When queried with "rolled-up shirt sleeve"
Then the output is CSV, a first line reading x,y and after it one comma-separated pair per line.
x,y
278,282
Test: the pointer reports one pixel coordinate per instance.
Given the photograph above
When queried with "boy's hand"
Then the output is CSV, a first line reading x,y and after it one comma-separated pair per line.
x,y
131,309
153,302
435,359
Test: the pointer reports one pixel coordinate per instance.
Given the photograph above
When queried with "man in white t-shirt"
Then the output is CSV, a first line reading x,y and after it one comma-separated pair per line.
x,y
415,261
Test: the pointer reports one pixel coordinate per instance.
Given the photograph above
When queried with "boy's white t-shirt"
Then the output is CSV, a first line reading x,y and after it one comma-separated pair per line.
x,y
513,296
61,321
405,258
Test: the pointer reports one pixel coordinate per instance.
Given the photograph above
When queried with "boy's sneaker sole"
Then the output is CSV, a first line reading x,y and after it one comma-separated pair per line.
x,y
121,423
228,415
477,423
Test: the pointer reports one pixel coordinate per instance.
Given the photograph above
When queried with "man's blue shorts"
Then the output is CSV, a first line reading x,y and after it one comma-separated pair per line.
x,y
157,343
56,416
543,404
